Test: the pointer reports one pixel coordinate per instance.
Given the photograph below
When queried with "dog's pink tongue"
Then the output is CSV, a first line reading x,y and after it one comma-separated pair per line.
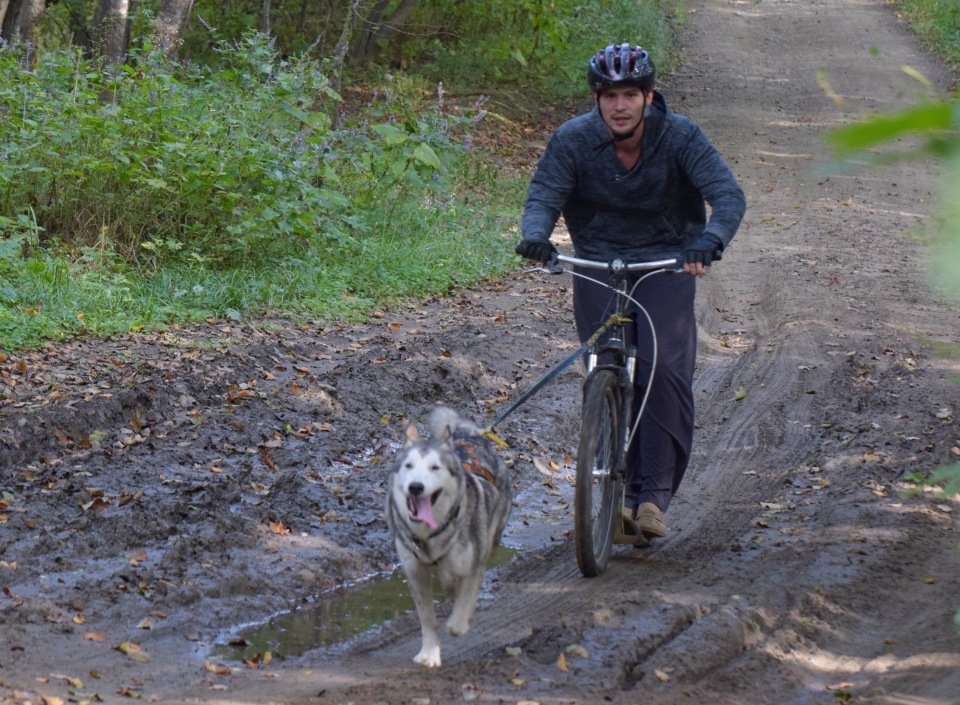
x,y
423,511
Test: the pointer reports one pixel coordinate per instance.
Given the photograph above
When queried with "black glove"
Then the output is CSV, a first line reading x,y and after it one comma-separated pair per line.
x,y
536,247
706,249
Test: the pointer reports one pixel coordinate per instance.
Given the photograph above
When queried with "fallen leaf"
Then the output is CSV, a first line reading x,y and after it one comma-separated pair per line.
x,y
562,663
268,460
578,651
94,636
739,394
73,682
518,681
217,668
662,676
514,651
279,528
134,652
544,468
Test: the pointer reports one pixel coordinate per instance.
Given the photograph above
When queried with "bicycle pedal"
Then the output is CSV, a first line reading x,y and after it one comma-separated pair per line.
x,y
628,533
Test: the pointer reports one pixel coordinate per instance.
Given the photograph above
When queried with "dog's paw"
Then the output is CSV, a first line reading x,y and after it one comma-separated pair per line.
x,y
458,627
428,657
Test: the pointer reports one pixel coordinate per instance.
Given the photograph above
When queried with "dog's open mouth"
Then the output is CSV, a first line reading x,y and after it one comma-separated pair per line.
x,y
421,508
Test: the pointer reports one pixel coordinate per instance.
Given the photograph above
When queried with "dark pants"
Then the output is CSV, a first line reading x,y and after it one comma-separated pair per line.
x,y
661,447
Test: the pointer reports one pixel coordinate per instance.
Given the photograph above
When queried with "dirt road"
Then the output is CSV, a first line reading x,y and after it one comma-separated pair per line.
x,y
159,491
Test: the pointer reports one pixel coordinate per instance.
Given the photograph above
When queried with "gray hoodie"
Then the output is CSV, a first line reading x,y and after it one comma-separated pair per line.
x,y
650,211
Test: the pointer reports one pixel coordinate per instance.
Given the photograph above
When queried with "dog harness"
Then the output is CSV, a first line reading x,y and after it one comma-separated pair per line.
x,y
467,453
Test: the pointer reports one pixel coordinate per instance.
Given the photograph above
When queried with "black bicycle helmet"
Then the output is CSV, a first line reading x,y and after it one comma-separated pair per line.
x,y
620,65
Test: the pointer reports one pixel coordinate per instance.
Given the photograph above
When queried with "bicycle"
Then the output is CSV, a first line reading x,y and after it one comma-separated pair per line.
x,y
607,427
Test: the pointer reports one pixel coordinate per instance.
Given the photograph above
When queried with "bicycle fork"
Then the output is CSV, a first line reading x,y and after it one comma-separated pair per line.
x,y
626,368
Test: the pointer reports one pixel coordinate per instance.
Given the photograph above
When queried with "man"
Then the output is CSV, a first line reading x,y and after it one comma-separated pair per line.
x,y
631,179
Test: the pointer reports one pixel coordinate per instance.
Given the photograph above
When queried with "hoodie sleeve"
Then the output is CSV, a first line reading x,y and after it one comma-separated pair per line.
x,y
711,176
553,182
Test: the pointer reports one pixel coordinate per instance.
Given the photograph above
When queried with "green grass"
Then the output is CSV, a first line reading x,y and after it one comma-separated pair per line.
x,y
54,297
938,24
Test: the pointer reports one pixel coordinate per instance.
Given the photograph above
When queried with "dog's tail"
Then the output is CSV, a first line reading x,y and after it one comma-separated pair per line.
x,y
443,417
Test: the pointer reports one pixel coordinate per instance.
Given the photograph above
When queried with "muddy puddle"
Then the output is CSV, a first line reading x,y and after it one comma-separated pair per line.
x,y
333,618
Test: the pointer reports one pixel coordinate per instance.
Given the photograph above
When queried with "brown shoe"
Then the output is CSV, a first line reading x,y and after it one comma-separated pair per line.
x,y
650,520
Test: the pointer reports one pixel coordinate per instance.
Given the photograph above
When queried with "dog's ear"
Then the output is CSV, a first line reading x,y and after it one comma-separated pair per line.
x,y
445,437
413,435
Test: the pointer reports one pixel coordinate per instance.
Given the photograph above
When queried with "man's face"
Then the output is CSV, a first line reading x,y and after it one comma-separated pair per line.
x,y
622,108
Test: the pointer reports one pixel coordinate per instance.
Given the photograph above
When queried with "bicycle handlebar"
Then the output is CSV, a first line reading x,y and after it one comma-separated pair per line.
x,y
613,265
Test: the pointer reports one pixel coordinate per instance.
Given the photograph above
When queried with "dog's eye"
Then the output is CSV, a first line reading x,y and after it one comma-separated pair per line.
x,y
435,468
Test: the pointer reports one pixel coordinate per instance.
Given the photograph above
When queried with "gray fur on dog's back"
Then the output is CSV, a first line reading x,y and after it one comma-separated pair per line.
x,y
441,417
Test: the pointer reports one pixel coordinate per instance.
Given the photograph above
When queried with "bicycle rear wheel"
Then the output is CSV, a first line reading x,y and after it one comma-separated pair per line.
x,y
594,506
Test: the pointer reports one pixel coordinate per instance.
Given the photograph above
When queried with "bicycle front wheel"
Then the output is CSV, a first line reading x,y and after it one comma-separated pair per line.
x,y
594,506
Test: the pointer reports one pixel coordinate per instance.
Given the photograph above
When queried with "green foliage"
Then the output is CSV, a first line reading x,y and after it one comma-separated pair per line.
x,y
937,122
539,47
932,128
949,476
158,162
135,196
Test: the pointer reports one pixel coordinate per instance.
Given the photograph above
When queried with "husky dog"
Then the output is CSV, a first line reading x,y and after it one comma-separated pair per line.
x,y
448,499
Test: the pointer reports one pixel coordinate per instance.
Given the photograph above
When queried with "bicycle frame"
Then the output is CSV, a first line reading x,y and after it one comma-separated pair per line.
x,y
624,355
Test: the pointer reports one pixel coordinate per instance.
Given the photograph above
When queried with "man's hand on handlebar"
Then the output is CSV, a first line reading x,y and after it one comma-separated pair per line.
x,y
701,253
536,247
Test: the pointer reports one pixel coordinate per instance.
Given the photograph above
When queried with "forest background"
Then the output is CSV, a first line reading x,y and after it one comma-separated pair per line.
x,y
173,161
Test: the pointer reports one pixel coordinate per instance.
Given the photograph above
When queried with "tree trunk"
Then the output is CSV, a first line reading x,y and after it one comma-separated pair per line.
x,y
377,28
4,4
22,16
340,55
266,17
371,23
111,30
170,25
